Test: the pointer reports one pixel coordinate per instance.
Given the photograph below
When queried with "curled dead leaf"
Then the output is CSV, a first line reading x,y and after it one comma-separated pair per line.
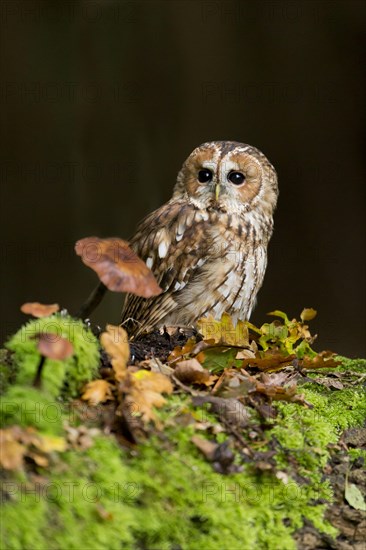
x,y
192,372
117,266
39,310
115,341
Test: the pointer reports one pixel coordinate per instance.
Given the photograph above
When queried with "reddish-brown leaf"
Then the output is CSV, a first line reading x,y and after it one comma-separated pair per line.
x,y
192,372
117,266
324,359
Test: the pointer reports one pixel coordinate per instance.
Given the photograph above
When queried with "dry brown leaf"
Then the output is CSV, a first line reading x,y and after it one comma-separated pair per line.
x,y
245,354
39,310
272,360
54,346
12,452
324,359
115,342
192,372
97,391
117,266
145,392
224,331
40,460
180,352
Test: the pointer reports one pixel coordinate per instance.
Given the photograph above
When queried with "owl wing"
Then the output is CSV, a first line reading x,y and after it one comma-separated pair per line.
x,y
173,241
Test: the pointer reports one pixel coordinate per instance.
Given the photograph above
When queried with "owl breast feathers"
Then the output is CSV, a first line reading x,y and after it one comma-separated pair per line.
x,y
207,246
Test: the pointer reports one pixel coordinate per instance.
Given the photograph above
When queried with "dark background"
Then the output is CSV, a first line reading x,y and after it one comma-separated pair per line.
x,y
101,101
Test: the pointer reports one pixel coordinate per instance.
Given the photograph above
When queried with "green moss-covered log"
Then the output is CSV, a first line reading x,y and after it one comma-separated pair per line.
x,y
163,493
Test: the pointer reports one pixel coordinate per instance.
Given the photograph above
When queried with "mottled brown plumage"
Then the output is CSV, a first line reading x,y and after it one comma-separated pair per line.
x,y
207,246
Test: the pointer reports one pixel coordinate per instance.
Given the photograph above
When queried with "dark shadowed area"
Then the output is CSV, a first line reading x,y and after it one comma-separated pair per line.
x,y
101,101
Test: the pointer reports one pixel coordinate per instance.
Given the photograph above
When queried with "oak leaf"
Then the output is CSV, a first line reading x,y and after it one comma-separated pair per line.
x,y
145,392
115,342
97,391
224,331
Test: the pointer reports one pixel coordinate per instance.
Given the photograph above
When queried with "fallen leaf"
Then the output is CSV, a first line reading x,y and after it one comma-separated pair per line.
x,y
354,497
324,359
115,342
180,352
54,346
192,372
224,331
39,310
330,383
97,391
220,357
40,460
117,266
145,392
245,354
279,386
269,361
155,365
12,452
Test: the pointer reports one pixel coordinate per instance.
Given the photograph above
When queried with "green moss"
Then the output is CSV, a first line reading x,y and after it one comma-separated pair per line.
x,y
67,510
68,375
165,495
351,364
26,406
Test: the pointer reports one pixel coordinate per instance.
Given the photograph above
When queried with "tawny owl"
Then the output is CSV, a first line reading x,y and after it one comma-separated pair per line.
x,y
207,246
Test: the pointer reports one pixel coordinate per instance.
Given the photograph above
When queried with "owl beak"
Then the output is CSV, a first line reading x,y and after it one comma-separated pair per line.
x,y
217,191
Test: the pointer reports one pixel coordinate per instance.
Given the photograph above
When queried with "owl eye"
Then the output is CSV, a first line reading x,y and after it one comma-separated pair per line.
x,y
237,178
204,176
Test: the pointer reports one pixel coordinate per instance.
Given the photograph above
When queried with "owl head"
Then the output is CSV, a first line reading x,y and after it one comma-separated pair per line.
x,y
228,176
